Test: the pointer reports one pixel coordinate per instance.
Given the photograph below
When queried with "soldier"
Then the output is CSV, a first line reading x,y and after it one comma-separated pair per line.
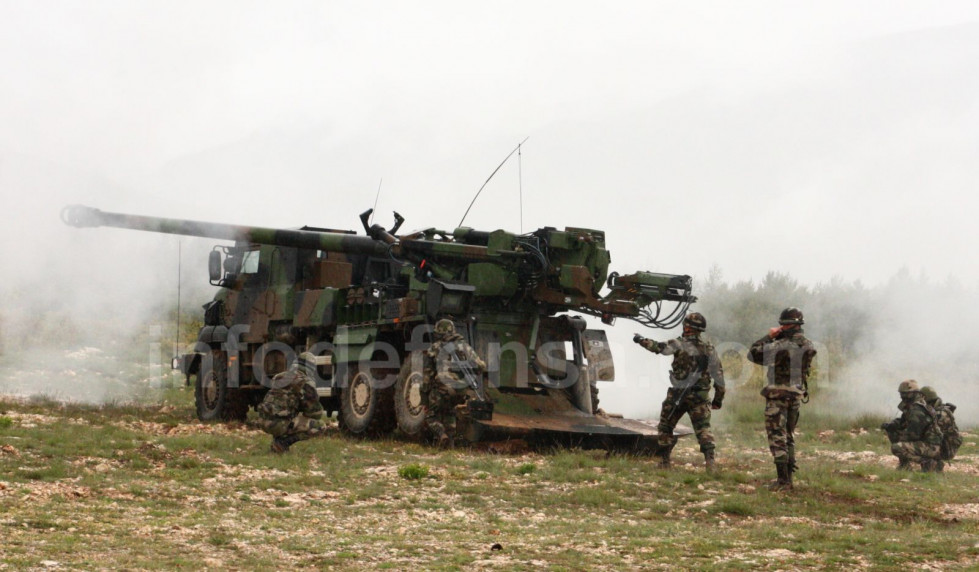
x,y
695,364
945,418
788,355
914,436
444,387
291,410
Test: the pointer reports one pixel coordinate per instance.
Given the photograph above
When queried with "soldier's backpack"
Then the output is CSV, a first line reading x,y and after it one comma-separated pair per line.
x,y
951,438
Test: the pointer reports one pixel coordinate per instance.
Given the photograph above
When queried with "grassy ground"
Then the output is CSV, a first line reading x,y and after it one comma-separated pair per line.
x,y
146,487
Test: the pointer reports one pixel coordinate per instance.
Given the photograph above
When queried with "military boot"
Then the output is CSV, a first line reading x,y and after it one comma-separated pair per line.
x,y
281,444
709,461
793,467
932,466
784,480
903,464
664,458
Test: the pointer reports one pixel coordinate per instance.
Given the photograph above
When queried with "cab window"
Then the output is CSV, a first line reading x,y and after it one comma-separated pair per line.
x,y
249,262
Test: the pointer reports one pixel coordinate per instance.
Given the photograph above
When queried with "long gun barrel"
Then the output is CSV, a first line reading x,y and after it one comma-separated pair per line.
x,y
82,216
555,270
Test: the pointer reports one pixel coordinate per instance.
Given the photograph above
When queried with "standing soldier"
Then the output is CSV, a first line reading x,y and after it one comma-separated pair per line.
x,y
915,437
695,364
788,355
445,386
291,410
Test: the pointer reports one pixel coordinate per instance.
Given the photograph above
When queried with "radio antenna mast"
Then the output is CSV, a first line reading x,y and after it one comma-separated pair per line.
x,y
520,181
376,197
176,335
498,167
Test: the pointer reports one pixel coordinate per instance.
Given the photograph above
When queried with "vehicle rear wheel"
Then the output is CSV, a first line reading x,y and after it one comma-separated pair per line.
x,y
215,401
409,403
366,409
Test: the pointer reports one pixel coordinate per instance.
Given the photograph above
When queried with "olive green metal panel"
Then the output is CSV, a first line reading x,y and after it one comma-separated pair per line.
x,y
354,344
492,279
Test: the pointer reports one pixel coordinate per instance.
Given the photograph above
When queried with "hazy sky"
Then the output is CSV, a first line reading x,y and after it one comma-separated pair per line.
x,y
820,139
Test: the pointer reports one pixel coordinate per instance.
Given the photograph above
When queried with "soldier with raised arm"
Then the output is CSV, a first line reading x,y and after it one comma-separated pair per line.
x,y
695,366
788,355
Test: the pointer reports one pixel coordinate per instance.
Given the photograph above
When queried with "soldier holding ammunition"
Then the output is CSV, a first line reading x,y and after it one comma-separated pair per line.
x,y
788,355
915,436
444,389
291,410
695,365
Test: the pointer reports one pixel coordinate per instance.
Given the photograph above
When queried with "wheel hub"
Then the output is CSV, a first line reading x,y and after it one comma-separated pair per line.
x,y
209,390
360,393
413,394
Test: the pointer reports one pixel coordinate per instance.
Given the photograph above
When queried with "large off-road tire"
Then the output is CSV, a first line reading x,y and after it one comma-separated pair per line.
x,y
366,410
216,401
410,408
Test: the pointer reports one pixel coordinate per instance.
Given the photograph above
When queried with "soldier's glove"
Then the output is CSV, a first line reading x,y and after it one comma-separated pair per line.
x,y
638,339
716,404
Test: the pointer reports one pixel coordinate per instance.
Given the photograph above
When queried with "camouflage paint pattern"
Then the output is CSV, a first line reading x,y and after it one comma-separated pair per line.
x,y
693,404
695,366
695,362
291,407
917,452
444,389
781,418
788,357
310,285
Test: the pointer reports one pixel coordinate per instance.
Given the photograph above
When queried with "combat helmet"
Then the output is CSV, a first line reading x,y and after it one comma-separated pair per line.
x,y
695,321
929,394
908,386
791,316
306,363
445,327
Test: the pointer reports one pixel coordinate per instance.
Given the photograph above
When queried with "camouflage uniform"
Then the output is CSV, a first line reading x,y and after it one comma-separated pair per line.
x,y
444,388
695,364
291,410
915,437
789,358
945,419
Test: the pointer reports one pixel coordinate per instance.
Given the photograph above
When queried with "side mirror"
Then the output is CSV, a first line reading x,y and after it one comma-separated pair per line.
x,y
214,266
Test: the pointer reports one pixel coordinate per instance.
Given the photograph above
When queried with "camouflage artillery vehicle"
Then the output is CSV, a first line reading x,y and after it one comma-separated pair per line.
x,y
364,306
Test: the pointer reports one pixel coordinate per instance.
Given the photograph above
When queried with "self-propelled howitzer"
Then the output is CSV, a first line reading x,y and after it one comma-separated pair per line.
x,y
364,305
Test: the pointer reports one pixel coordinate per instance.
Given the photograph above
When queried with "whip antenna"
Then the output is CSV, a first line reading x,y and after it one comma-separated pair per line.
x,y
176,335
376,197
515,149
520,181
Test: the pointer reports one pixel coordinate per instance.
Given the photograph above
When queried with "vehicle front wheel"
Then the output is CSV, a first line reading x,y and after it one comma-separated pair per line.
x,y
215,401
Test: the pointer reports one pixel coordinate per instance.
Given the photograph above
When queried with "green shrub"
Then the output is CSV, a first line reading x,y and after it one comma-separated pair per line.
x,y
526,469
413,471
6,422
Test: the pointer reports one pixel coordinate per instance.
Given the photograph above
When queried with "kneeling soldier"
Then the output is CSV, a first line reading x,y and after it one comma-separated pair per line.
x,y
291,410
915,437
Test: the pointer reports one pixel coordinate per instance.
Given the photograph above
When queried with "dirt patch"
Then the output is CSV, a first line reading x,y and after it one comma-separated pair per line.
x,y
44,490
959,511
173,430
